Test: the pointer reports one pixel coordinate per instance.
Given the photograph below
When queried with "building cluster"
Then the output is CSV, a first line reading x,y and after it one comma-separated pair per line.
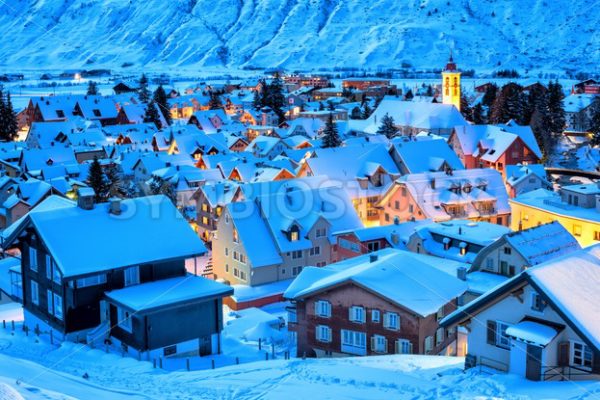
x,y
445,238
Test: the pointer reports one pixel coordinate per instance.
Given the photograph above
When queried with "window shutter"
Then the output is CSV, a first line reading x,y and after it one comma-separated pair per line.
x,y
316,307
399,322
350,316
385,346
364,315
329,334
491,332
410,348
397,347
563,354
373,343
386,320
328,307
318,332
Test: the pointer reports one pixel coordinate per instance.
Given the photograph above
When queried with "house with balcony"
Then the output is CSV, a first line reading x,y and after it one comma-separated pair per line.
x,y
473,194
385,302
115,273
576,207
495,146
366,177
541,324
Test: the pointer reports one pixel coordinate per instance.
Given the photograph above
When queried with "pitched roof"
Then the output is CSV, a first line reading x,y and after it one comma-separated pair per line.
x,y
395,275
426,155
83,242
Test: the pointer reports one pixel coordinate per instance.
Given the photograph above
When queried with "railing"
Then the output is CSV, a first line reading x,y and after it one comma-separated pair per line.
x,y
491,363
564,372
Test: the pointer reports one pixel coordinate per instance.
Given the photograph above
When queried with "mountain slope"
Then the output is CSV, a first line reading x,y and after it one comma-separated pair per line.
x,y
299,34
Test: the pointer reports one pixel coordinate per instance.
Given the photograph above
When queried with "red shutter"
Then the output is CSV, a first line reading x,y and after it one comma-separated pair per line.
x,y
491,332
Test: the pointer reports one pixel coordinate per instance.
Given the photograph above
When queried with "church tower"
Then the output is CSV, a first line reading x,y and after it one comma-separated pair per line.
x,y
451,84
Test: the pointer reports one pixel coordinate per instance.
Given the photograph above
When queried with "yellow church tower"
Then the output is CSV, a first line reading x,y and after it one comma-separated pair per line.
x,y
451,84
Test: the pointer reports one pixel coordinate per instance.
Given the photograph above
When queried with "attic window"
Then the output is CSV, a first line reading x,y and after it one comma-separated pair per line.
x,y
60,113
294,234
49,162
97,112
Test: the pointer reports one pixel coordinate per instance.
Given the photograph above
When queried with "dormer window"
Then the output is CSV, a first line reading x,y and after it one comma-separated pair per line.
x,y
97,112
294,233
60,113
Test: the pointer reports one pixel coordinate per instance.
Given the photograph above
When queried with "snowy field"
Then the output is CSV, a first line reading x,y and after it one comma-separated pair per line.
x,y
33,369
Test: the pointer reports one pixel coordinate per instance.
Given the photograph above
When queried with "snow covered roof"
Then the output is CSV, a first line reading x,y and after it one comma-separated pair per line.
x,y
421,115
401,231
426,155
149,229
481,282
568,283
97,107
36,159
168,292
494,140
517,173
551,202
542,243
532,332
432,191
262,145
395,275
135,113
576,102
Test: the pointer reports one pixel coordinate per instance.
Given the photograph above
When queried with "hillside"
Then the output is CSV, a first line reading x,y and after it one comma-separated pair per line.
x,y
298,34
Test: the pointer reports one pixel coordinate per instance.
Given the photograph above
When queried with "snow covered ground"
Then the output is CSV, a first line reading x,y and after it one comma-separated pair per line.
x,y
36,370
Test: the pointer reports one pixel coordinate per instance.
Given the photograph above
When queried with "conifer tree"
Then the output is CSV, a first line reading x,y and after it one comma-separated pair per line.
x,y
556,109
367,111
161,100
331,137
151,114
276,98
356,113
92,89
478,117
489,96
113,180
98,181
257,101
465,107
143,90
159,185
387,127
10,126
541,126
409,95
214,103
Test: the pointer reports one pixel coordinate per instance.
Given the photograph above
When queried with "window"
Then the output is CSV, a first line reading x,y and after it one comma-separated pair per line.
x,y
35,293
124,320
242,258
597,235
537,302
403,346
375,316
378,344
403,192
507,250
440,313
323,308
204,221
323,333
391,321
411,208
294,235
242,275
226,252
48,267
315,251
226,267
60,113
97,112
356,314
439,336
33,264
235,256
132,276
321,232
296,270
93,280
205,207
581,355
576,230
397,205
296,254
58,305
372,246
236,238
489,264
501,339
428,344
49,302
354,339
236,272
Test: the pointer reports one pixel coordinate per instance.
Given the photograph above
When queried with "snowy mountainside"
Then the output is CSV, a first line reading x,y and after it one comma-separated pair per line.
x,y
299,34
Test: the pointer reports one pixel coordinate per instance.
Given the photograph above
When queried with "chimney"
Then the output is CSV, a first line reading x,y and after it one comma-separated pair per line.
x,y
461,273
395,238
115,206
85,198
373,258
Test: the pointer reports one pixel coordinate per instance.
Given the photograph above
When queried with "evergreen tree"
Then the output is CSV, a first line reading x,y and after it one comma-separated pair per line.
x,y
143,90
215,101
161,100
331,137
330,105
478,117
321,106
465,107
541,126
509,104
556,109
92,89
114,182
409,95
275,97
257,101
131,190
159,185
489,96
98,181
367,111
10,127
151,114
356,113
387,127
595,122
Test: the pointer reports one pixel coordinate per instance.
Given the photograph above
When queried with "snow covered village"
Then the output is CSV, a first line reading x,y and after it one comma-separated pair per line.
x,y
254,203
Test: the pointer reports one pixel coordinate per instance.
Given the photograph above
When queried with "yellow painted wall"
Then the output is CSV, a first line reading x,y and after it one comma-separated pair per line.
x,y
583,230
451,88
